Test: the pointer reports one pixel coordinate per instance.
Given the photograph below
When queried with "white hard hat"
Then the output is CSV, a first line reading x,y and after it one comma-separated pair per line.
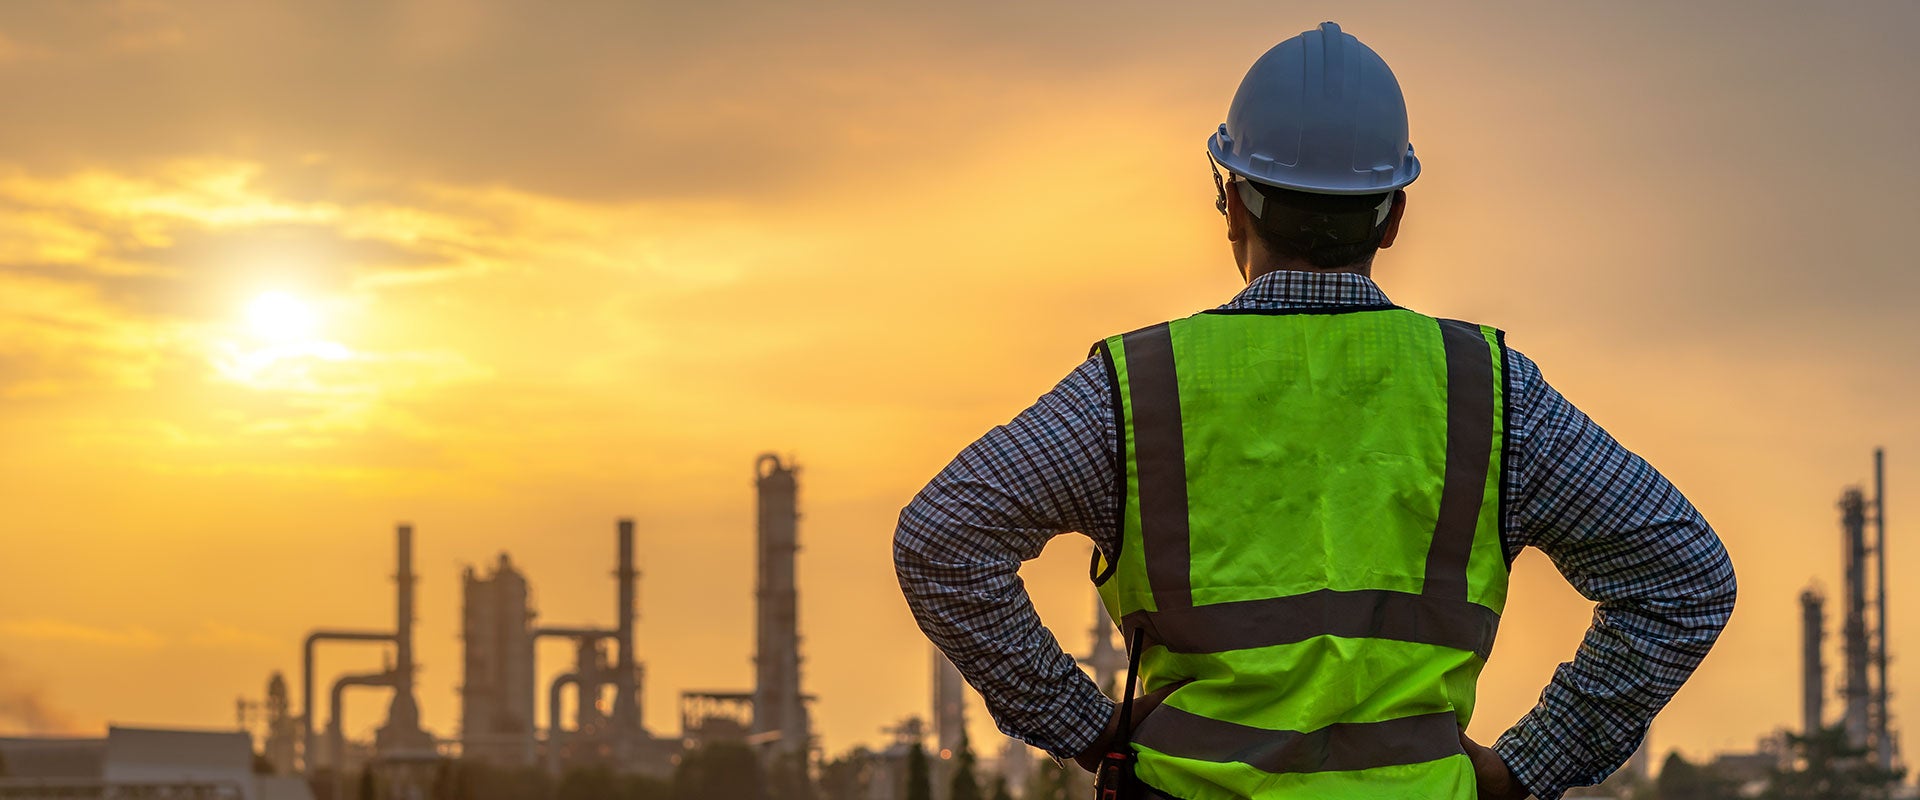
x,y
1318,113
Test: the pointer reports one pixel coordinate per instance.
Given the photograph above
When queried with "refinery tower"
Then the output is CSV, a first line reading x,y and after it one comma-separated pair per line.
x,y
779,708
1864,718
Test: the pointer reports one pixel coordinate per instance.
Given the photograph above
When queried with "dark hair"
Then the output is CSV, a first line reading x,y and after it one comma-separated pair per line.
x,y
1328,231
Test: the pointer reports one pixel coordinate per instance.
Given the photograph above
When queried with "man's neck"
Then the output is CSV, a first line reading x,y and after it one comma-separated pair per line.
x,y
1363,269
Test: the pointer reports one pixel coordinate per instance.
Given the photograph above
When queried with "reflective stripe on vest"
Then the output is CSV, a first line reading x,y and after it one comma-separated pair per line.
x,y
1445,612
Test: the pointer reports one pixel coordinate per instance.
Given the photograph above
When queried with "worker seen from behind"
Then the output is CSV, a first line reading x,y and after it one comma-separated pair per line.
x,y
1304,505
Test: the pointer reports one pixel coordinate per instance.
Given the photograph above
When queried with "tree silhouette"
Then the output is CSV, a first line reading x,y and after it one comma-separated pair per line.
x,y
587,783
1681,779
1830,769
1048,782
719,771
787,777
1000,789
919,783
847,777
963,786
366,783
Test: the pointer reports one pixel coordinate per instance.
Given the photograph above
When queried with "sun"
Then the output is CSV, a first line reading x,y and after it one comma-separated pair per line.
x,y
282,318
280,347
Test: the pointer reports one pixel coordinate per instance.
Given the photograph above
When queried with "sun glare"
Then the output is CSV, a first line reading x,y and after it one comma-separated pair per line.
x,y
281,317
284,350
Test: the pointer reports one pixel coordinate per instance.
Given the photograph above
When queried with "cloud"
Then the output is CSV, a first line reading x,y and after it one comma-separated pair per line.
x,y
55,631
58,337
227,637
108,278
600,100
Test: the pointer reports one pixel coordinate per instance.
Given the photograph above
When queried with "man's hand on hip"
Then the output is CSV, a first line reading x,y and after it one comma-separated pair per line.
x,y
1490,772
1089,759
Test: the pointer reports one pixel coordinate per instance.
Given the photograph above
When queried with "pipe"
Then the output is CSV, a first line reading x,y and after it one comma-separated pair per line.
x,y
575,633
338,729
553,718
306,683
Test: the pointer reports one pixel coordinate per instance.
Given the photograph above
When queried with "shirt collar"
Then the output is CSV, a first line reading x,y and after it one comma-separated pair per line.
x,y
1283,289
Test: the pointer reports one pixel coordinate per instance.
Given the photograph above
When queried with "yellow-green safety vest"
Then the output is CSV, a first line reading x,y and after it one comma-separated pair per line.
x,y
1310,547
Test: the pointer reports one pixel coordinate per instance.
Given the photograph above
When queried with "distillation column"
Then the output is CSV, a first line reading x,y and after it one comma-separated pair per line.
x,y
497,693
779,710
1813,672
1857,691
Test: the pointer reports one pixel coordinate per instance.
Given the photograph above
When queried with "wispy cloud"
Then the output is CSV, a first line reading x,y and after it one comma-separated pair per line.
x,y
228,637
44,629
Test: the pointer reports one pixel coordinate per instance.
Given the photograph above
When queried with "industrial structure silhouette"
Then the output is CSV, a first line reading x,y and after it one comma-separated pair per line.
x,y
606,679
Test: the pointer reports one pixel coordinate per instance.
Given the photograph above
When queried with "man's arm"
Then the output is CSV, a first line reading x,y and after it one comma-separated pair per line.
x,y
1626,539
959,545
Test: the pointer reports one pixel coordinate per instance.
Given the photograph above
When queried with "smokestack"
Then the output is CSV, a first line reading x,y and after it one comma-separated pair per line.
x,y
778,707
1813,673
403,622
402,732
626,704
1882,721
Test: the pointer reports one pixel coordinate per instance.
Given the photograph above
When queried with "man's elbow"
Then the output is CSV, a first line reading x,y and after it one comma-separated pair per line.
x,y
1725,588
1714,590
909,540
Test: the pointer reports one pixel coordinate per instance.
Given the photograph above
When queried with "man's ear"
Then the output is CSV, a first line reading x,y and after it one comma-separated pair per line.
x,y
1237,216
1393,218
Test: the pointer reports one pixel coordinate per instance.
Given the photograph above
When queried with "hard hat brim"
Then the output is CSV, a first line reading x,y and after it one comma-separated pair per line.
x,y
1238,166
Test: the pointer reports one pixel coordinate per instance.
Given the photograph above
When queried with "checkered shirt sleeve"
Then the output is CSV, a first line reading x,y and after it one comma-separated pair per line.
x,y
1619,532
1627,540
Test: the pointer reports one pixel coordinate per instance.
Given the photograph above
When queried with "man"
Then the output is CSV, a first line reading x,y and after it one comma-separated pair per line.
x,y
1305,503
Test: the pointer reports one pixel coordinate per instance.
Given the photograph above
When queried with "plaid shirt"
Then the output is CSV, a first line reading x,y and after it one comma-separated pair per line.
x,y
1616,529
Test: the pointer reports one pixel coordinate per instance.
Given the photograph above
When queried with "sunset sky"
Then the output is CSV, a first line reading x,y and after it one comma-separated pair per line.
x,y
275,277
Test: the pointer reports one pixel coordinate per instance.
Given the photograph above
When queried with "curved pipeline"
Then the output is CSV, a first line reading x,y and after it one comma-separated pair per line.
x,y
560,682
582,637
339,737
306,681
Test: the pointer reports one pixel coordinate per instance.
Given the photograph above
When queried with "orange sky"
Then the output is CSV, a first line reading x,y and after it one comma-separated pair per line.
x,y
576,262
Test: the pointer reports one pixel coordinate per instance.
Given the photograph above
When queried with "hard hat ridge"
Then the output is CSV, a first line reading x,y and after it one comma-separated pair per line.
x,y
1319,113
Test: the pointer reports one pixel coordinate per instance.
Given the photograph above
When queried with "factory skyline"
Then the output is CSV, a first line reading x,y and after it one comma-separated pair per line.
x,y
505,589
508,578
499,690
499,631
